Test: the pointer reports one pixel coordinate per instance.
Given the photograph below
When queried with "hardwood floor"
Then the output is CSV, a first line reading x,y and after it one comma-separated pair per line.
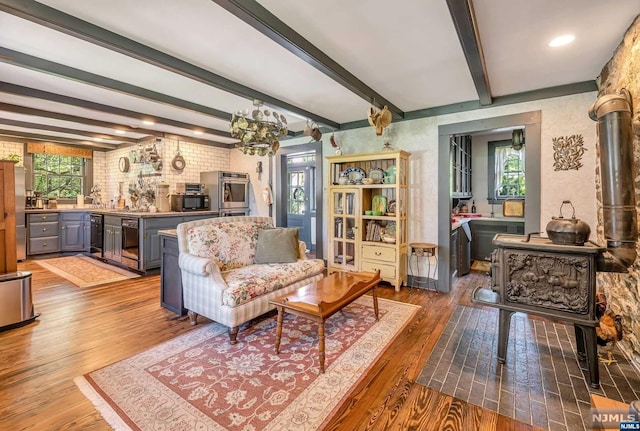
x,y
80,330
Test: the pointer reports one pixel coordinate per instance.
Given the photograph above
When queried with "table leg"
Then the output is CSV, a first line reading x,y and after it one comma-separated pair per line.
x,y
375,301
321,345
279,328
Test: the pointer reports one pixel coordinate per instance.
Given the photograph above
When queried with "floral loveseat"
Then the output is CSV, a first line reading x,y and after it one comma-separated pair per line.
x,y
220,280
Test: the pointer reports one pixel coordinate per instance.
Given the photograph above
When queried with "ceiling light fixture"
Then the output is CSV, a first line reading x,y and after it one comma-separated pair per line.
x,y
98,139
561,40
260,132
121,132
197,132
148,122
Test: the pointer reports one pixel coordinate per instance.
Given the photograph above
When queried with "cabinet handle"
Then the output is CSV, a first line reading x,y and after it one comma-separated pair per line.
x,y
44,229
62,228
378,253
44,244
44,217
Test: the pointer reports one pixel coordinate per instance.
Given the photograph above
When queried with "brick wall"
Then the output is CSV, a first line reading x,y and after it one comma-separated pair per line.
x,y
623,290
198,158
7,148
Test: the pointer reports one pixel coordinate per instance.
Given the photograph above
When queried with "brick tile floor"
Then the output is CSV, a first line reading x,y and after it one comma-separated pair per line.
x,y
542,382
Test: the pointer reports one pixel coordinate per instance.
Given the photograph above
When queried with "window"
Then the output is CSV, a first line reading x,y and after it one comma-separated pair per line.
x,y
296,192
60,176
506,170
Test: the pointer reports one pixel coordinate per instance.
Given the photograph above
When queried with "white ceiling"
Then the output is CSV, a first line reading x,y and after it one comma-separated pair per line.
x,y
405,53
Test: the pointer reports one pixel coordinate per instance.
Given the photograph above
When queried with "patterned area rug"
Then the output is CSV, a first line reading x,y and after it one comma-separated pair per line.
x,y
199,381
84,271
542,382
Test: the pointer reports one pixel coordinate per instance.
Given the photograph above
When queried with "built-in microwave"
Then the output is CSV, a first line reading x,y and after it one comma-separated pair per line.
x,y
190,202
227,190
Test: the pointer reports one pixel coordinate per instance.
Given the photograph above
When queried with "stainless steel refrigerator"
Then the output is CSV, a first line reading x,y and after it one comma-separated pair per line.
x,y
21,229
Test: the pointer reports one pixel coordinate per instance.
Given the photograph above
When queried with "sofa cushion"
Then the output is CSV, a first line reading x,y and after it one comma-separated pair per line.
x,y
278,245
245,284
232,245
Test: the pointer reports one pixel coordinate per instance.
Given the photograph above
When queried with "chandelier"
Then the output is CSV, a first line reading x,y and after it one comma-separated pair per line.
x,y
259,133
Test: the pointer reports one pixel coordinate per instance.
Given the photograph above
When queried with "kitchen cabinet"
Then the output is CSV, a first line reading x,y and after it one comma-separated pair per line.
x,y
170,275
355,237
151,241
43,233
75,231
483,231
112,238
463,258
460,153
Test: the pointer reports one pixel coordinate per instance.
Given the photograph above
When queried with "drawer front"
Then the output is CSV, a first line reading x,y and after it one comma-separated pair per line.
x,y
39,230
38,218
386,254
386,271
73,216
44,245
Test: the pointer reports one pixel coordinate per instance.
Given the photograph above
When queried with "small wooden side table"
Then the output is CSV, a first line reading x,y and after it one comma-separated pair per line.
x,y
321,299
418,250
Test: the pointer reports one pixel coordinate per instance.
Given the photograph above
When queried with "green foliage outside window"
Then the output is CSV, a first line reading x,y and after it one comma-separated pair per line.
x,y
513,183
59,176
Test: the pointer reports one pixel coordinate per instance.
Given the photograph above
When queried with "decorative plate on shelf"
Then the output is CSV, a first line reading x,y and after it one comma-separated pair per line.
x,y
377,174
355,174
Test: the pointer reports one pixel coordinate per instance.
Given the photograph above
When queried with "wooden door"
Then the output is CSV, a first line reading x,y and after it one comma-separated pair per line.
x,y
8,257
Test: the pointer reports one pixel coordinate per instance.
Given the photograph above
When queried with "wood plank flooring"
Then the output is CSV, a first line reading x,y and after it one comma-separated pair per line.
x,y
80,330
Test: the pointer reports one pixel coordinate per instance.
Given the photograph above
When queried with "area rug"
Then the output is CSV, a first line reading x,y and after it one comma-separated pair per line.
x,y
84,271
542,382
199,381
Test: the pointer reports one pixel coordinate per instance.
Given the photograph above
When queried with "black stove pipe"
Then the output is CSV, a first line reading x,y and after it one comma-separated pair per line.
x,y
613,114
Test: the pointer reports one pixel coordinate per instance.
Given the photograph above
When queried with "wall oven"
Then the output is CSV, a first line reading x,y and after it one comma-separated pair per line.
x,y
228,191
130,242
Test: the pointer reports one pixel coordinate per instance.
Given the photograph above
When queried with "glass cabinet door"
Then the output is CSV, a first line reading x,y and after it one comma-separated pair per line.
x,y
344,228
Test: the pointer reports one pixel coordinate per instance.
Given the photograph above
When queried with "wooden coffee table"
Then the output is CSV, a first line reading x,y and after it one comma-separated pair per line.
x,y
320,300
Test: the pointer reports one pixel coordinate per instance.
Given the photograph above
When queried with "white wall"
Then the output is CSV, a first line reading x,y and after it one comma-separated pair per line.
x,y
561,116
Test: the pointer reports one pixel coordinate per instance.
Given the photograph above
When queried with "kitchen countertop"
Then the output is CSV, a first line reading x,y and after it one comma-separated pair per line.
x,y
123,213
458,220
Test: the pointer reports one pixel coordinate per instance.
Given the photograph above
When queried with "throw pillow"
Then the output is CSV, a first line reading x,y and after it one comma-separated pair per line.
x,y
279,245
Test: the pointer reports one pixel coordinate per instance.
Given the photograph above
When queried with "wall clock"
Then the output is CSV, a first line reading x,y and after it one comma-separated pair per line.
x,y
124,164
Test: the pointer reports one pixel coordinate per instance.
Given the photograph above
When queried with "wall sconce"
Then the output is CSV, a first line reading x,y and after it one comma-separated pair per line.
x,y
517,139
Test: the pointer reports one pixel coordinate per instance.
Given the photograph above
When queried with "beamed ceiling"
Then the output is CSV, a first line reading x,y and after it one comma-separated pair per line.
x,y
74,71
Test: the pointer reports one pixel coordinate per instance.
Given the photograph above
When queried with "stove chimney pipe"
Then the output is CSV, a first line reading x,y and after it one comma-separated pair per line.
x,y
613,114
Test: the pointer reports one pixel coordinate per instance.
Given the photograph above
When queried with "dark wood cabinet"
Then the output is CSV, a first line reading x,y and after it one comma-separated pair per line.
x,y
483,232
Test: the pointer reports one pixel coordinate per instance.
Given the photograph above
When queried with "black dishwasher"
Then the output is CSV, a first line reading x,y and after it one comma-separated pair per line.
x,y
96,235
130,251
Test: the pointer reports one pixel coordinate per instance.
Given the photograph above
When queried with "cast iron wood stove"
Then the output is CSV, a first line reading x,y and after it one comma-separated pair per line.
x,y
556,278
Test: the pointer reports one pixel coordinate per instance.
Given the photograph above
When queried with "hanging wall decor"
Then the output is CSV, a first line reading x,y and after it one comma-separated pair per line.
x,y
567,152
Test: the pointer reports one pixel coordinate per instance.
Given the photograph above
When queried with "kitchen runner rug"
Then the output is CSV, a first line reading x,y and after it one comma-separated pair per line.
x,y
84,271
542,382
199,381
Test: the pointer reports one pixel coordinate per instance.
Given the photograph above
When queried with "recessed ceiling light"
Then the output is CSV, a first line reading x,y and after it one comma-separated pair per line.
x,y
197,132
121,132
98,139
148,122
561,40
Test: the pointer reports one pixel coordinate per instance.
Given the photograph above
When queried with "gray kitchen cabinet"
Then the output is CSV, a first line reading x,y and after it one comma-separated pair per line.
x,y
171,276
483,232
73,231
43,233
112,238
152,246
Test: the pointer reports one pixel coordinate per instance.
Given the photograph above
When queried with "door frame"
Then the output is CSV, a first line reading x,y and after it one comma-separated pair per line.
x,y
281,187
531,122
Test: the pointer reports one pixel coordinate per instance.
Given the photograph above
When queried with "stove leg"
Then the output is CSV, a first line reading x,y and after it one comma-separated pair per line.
x,y
591,352
582,354
503,334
